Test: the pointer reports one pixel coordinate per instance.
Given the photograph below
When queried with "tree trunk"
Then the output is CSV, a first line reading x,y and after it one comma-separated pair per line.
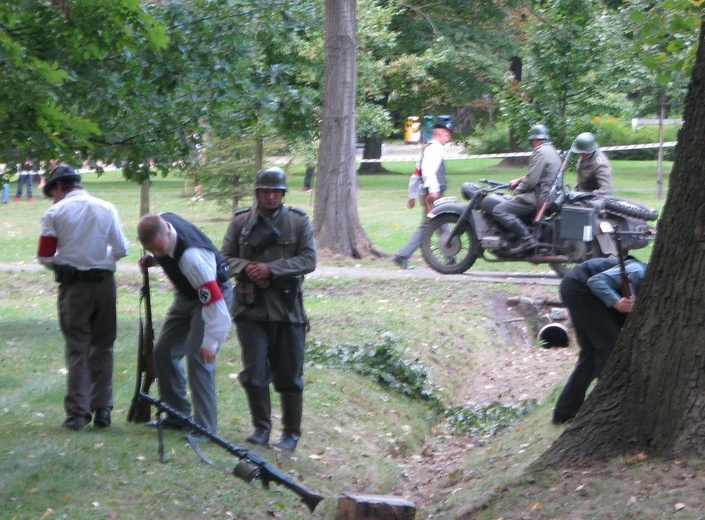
x,y
516,67
144,197
651,397
336,222
372,150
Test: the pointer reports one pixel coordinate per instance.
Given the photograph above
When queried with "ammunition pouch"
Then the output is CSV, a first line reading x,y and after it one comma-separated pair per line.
x,y
246,292
69,274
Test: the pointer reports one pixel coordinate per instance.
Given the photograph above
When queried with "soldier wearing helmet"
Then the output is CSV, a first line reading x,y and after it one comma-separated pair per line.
x,y
594,170
81,240
530,190
268,248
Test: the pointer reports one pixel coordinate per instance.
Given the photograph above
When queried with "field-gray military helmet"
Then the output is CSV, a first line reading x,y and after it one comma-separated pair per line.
x,y
585,143
271,178
538,132
63,172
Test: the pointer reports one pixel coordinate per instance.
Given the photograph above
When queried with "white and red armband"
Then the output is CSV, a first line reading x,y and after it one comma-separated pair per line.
x,y
209,293
47,246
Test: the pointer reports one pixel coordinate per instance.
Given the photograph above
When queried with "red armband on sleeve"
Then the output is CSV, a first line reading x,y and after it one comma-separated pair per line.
x,y
209,293
417,171
47,246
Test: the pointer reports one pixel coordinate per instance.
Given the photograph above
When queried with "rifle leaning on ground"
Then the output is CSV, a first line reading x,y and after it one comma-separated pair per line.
x,y
251,465
627,289
140,411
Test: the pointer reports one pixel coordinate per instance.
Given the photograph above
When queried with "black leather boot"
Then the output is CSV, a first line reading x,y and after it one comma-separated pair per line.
x,y
260,410
525,240
292,409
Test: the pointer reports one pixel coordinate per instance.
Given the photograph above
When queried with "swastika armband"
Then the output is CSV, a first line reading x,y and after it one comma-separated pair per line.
x,y
209,293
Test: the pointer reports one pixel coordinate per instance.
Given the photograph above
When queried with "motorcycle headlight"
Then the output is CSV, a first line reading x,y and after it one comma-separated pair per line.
x,y
469,189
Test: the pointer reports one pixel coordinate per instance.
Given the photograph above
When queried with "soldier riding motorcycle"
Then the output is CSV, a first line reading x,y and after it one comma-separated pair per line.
x,y
569,228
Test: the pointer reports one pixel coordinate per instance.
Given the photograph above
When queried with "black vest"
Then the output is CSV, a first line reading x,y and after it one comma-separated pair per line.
x,y
188,235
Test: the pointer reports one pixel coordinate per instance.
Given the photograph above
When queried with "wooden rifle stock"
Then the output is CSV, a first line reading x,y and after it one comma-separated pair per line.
x,y
251,466
626,284
140,410
557,185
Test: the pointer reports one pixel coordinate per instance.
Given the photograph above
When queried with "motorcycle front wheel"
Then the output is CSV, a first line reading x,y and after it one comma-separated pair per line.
x,y
448,257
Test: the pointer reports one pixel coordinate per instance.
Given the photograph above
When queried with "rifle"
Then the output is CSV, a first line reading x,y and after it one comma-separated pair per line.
x,y
140,411
251,465
557,186
627,289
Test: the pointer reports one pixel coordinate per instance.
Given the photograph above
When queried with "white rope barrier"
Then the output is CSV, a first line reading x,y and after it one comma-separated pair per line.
x,y
456,156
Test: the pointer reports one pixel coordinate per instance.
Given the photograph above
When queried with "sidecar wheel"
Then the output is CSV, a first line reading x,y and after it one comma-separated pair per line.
x,y
629,208
454,257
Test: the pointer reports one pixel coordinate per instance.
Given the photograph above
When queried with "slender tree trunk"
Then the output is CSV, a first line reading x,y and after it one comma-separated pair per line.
x,y
373,150
651,397
516,67
336,222
144,197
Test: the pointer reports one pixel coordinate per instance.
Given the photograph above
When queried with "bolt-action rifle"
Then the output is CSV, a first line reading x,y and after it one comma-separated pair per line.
x,y
627,288
556,188
140,410
251,465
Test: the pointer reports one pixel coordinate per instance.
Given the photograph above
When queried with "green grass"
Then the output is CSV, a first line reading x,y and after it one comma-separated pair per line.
x,y
359,436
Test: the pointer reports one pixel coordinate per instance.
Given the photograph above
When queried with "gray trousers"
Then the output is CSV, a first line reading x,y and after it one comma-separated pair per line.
x,y
180,337
512,214
88,321
272,352
414,242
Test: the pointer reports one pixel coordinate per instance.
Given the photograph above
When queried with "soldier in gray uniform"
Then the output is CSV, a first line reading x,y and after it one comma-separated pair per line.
x,y
594,170
530,190
269,248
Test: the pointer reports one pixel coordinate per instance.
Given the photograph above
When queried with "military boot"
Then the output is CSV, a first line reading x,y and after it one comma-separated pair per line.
x,y
260,410
525,242
292,409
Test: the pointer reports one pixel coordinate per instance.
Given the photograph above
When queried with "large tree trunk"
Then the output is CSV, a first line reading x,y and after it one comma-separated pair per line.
x,y
336,222
651,397
372,150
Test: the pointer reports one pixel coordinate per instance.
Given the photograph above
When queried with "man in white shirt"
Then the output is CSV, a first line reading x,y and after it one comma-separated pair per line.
x,y
428,181
197,321
81,240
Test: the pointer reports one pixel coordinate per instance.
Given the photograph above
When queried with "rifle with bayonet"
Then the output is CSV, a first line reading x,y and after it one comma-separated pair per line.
x,y
251,465
140,410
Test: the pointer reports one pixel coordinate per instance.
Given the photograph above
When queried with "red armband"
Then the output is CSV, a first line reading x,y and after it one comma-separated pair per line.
x,y
47,246
209,293
417,171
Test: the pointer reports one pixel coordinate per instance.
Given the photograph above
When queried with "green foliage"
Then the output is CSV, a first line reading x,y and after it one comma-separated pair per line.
x,y
486,420
382,363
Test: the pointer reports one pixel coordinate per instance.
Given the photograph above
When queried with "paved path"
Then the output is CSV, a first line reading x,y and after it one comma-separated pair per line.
x,y
371,273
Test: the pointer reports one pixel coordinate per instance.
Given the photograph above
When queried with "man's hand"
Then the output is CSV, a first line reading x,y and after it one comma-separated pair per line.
x,y
514,183
259,273
146,262
411,203
624,305
207,356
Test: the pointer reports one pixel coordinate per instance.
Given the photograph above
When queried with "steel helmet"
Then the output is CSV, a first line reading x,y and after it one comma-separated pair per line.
x,y
271,178
538,132
585,143
63,172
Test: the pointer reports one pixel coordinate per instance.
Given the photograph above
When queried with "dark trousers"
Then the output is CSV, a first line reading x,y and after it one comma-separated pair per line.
x,y
272,352
512,215
88,322
25,180
597,328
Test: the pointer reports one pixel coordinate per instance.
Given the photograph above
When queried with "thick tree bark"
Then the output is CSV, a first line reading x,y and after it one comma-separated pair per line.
x,y
651,397
336,222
